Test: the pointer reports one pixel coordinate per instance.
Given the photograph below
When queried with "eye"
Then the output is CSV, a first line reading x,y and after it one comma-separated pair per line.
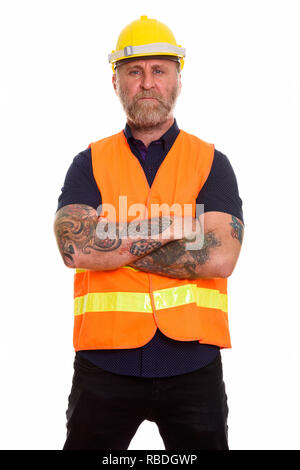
x,y
158,72
134,72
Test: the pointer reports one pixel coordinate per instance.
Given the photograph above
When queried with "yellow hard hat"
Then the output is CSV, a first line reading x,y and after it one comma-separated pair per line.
x,y
146,37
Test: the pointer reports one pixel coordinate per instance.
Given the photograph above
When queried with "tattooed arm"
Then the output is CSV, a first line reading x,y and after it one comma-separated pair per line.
x,y
85,240
222,240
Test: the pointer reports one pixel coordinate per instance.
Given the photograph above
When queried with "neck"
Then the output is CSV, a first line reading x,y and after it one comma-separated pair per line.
x,y
154,133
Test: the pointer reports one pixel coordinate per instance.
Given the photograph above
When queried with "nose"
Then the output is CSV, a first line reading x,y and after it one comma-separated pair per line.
x,y
148,79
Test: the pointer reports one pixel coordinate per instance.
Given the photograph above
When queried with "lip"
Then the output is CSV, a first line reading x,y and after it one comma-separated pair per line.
x,y
148,99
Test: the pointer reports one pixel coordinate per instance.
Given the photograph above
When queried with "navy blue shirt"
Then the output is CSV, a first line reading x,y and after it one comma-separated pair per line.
x,y
161,356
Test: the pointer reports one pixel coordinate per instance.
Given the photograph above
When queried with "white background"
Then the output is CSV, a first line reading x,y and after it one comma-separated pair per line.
x,y
240,91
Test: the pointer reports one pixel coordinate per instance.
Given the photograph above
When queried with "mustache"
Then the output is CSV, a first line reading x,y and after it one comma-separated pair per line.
x,y
150,94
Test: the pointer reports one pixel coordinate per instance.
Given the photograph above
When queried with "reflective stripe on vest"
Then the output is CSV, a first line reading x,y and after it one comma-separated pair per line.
x,y
139,302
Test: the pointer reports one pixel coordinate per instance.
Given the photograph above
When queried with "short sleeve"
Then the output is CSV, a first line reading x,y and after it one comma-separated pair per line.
x,y
220,192
80,186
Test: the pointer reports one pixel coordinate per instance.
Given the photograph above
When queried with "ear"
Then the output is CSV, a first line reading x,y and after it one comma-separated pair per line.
x,y
179,83
114,82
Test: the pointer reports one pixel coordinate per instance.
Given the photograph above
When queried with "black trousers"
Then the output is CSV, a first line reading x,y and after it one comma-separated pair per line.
x,y
106,409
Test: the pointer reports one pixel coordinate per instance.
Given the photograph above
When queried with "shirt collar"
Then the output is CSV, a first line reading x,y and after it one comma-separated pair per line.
x,y
168,138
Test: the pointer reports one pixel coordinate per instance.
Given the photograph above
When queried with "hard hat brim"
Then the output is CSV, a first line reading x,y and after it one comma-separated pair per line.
x,y
146,50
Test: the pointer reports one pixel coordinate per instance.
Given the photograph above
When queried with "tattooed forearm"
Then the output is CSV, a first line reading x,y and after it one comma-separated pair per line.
x,y
75,231
79,232
174,260
147,227
216,257
237,229
142,247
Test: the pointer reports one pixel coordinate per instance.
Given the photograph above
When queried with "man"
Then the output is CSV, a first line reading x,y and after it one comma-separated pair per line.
x,y
150,289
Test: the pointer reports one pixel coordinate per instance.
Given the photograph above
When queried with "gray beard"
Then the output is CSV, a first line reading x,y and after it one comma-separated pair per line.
x,y
145,116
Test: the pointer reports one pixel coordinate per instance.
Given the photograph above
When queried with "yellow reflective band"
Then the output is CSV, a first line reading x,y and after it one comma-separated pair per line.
x,y
140,302
78,270
130,267
189,293
113,301
211,298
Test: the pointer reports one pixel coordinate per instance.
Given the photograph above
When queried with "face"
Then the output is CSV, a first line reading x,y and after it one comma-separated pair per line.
x,y
148,90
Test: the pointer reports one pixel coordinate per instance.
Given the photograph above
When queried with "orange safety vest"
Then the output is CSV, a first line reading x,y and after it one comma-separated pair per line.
x,y
123,308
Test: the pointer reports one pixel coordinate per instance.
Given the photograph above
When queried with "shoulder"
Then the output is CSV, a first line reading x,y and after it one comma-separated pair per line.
x,y
220,192
107,141
222,171
82,159
79,185
221,161
81,167
195,140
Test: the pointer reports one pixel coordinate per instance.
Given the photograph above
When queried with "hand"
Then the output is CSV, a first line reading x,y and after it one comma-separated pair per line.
x,y
188,228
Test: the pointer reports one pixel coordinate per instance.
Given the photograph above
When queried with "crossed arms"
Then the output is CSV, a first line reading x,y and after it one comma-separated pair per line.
x,y
160,245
